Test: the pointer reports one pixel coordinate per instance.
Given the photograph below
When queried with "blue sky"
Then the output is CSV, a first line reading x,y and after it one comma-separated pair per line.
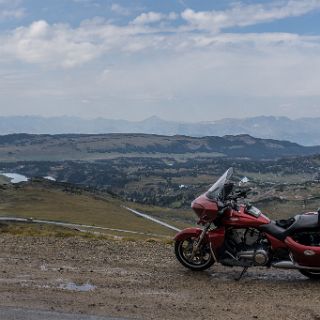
x,y
187,60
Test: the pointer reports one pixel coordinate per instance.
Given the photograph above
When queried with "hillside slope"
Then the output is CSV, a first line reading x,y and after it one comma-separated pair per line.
x,y
93,147
67,203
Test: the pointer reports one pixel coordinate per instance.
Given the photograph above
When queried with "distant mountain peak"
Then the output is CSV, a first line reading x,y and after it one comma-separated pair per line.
x,y
153,118
305,131
75,147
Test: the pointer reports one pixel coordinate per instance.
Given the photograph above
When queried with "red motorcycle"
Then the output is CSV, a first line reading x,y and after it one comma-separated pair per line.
x,y
236,234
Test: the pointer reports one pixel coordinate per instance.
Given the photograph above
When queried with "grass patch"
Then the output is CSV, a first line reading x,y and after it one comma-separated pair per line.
x,y
42,230
37,230
4,180
32,200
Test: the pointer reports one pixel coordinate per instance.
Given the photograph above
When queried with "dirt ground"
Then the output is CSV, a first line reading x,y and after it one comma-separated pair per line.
x,y
139,280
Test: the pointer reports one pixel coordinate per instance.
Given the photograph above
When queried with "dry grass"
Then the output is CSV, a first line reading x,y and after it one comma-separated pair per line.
x,y
4,180
39,230
50,204
36,230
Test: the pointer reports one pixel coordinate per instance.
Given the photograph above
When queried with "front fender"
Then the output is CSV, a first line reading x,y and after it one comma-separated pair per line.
x,y
186,233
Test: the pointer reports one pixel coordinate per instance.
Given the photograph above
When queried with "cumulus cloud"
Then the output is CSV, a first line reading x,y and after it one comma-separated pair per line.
x,y
244,15
10,2
48,44
9,14
118,9
152,17
63,46
11,9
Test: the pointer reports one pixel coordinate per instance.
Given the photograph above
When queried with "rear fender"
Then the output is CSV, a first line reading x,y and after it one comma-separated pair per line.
x,y
304,255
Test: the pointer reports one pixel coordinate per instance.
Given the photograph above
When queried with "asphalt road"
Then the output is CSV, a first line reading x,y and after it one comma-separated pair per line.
x,y
28,314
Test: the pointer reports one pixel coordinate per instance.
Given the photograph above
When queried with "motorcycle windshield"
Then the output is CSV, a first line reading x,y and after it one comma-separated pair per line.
x,y
215,191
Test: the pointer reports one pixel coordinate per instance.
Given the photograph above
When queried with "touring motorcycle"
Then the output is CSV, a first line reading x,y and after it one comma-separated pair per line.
x,y
236,233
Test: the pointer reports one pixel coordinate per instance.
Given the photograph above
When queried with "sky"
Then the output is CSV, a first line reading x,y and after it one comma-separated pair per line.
x,y
181,60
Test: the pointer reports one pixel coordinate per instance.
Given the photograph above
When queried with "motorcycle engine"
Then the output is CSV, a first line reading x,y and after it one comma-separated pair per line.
x,y
247,247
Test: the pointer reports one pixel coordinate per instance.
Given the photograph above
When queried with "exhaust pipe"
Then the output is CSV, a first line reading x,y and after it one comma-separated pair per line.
x,y
291,265
285,265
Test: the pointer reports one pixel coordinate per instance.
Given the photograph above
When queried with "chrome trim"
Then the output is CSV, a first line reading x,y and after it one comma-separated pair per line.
x,y
284,265
246,254
309,253
309,268
291,265
291,256
196,245
213,255
231,255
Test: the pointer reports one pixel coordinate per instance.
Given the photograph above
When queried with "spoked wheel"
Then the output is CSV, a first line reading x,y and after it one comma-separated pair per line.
x,y
201,260
312,274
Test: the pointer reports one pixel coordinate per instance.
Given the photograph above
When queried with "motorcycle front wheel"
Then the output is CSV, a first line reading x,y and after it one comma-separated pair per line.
x,y
202,259
311,274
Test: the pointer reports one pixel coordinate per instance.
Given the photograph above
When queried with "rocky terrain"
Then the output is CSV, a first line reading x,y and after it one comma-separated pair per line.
x,y
142,280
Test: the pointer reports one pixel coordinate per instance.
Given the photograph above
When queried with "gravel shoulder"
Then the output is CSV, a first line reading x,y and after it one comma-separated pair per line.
x,y
142,280
29,314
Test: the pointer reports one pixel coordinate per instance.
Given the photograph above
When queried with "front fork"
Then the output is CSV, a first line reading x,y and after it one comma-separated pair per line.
x,y
197,244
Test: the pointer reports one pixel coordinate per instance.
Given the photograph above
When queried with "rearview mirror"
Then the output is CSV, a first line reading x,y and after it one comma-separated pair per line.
x,y
243,181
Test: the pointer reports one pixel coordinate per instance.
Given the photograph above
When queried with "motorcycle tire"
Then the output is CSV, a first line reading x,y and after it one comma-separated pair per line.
x,y
202,261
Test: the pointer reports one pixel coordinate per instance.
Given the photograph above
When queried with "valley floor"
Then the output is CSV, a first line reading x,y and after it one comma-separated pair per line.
x,y
142,280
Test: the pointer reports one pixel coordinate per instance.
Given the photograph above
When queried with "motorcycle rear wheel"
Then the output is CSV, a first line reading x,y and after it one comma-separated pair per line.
x,y
203,258
311,274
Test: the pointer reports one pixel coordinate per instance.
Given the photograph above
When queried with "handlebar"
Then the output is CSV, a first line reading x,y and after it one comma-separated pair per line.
x,y
239,194
229,204
231,200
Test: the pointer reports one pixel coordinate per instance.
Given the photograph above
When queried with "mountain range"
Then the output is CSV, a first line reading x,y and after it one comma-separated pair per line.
x,y
305,131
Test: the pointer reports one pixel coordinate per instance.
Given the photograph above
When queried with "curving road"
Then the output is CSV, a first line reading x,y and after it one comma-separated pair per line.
x,y
84,228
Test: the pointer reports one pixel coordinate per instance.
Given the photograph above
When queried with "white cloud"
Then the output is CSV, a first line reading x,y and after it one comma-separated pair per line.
x,y
55,45
9,14
64,46
10,2
152,17
244,15
60,45
11,9
118,9
83,1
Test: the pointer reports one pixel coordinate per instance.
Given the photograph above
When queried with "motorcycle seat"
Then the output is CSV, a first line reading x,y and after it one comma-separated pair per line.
x,y
282,228
285,223
305,222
